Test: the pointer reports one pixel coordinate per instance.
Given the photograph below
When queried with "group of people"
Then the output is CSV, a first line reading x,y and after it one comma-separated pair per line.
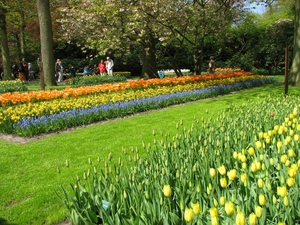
x,y
103,68
23,71
106,67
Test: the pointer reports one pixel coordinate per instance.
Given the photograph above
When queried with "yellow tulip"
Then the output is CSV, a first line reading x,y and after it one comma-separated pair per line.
x,y
243,158
282,191
223,182
283,158
243,177
251,151
261,157
281,223
287,163
188,215
258,165
279,145
261,199
296,137
229,208
214,221
252,219
214,212
291,153
269,133
253,167
235,155
258,145
196,208
258,211
260,183
286,201
222,200
208,190
290,181
212,172
222,170
240,219
295,111
181,205
244,166
231,174
167,190
294,166
271,161
292,171
216,204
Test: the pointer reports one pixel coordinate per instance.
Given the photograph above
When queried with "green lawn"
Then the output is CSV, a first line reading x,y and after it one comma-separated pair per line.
x,y
29,177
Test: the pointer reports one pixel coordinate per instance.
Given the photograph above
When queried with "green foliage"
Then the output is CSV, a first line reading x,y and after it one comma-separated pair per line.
x,y
271,53
124,74
134,194
12,86
96,79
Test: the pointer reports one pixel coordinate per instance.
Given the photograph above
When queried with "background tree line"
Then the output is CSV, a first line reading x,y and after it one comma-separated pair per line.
x,y
145,37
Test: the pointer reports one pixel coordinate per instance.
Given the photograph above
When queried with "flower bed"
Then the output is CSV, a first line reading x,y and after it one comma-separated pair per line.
x,y
12,86
239,168
31,113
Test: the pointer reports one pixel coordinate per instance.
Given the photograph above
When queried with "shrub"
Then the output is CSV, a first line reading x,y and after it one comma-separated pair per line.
x,y
125,74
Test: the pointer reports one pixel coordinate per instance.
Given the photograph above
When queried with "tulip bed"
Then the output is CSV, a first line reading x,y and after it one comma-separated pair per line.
x,y
31,113
12,86
239,167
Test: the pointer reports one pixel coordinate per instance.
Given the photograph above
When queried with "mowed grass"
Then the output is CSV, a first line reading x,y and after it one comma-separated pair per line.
x,y
29,176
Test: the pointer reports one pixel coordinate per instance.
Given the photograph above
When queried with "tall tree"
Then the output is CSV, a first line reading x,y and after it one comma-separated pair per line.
x,y
47,56
21,19
194,21
115,26
4,42
295,68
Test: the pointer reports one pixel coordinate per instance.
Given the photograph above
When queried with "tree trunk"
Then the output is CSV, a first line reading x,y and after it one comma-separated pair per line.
x,y
295,69
149,64
43,7
4,46
196,64
22,34
198,57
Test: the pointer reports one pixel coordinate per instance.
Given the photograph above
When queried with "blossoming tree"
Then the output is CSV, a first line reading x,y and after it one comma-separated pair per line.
x,y
108,25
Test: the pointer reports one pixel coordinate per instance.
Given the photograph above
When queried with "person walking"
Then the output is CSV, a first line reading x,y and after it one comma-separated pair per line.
x,y
211,65
109,66
31,72
59,70
102,67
